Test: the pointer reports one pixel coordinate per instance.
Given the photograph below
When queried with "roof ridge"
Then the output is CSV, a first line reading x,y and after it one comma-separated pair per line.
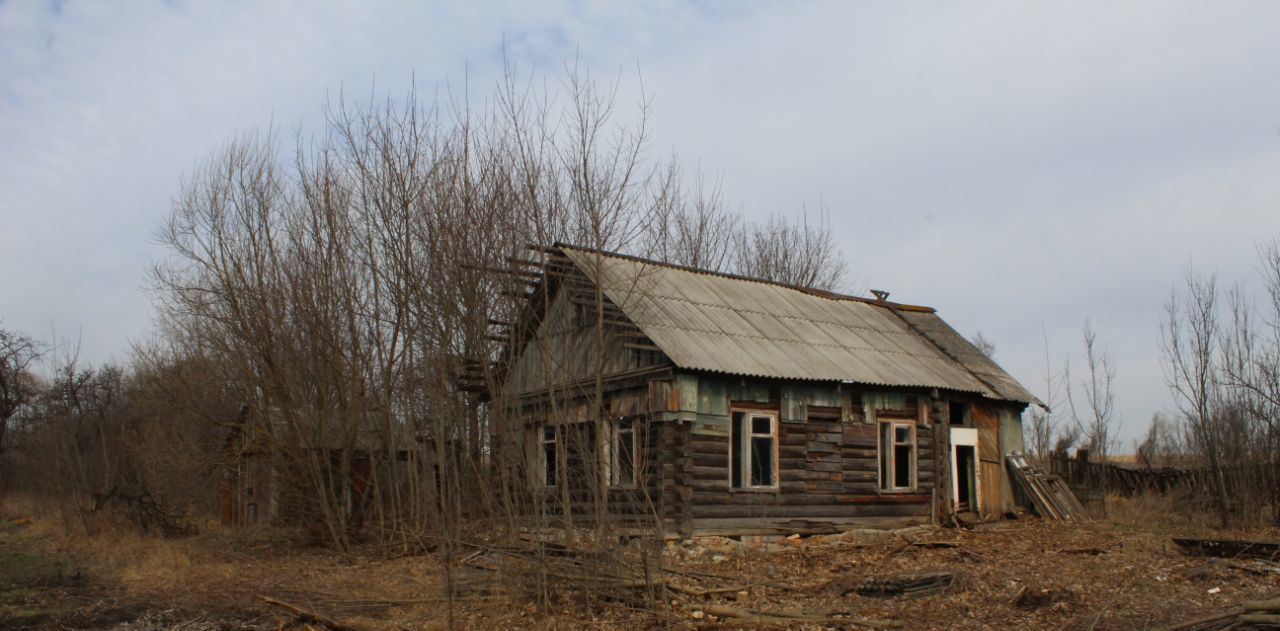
x,y
814,291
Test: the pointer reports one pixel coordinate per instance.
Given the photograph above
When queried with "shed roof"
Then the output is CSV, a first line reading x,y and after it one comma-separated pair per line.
x,y
736,325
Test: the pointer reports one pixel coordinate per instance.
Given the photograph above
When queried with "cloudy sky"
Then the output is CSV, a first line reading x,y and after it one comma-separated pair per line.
x,y
1019,166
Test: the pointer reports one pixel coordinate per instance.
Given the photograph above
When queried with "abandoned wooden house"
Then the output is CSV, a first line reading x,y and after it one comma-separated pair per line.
x,y
711,403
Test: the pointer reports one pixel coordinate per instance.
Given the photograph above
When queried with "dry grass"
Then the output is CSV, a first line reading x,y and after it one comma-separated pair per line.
x,y
1117,574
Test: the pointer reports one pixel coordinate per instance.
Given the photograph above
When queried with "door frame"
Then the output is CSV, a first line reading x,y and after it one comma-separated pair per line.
x,y
966,437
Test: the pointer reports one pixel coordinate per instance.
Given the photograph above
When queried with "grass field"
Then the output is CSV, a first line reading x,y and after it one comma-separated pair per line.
x,y
1117,573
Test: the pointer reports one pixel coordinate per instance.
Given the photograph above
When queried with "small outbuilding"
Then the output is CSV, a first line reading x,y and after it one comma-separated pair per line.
x,y
709,403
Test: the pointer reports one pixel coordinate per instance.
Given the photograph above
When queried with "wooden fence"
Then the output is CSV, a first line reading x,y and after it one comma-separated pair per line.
x,y
1255,479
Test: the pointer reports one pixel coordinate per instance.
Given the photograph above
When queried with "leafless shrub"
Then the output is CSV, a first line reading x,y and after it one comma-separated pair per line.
x,y
798,253
18,383
1094,412
984,345
1162,445
1044,429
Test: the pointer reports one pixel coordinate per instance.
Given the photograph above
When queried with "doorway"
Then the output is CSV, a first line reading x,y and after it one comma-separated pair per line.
x,y
966,472
966,475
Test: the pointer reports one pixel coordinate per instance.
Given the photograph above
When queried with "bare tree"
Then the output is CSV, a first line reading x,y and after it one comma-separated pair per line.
x,y
1162,444
1094,414
366,291
798,253
1042,425
984,345
1190,336
693,230
1249,376
18,386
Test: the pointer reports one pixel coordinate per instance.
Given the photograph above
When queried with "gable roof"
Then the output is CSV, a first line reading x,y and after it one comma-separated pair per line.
x,y
742,326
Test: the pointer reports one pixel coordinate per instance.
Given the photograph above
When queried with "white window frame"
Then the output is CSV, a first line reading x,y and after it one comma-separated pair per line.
x,y
743,461
881,468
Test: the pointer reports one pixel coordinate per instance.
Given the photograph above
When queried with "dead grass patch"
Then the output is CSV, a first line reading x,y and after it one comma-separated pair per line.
x,y
1124,573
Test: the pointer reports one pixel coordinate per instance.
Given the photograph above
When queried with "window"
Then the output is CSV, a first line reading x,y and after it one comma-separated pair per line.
x,y
549,454
622,454
753,450
897,456
959,413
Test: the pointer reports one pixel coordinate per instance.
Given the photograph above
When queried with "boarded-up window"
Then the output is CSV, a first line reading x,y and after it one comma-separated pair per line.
x,y
897,456
753,451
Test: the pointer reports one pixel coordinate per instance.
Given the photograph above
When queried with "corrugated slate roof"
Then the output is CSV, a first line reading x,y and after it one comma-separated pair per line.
x,y
735,325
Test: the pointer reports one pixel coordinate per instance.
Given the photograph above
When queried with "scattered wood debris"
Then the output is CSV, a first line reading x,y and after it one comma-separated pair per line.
x,y
307,617
1230,548
822,616
1031,598
1254,614
907,584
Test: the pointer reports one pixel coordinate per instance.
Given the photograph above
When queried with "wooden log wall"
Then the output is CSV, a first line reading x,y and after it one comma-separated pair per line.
x,y
828,472
656,491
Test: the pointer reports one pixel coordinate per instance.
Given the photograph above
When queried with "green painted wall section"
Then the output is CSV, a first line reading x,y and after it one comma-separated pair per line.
x,y
704,401
1011,431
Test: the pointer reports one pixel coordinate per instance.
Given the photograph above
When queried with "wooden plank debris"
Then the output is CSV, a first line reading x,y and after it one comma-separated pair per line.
x,y
1254,614
1229,548
788,618
907,585
1049,494
308,617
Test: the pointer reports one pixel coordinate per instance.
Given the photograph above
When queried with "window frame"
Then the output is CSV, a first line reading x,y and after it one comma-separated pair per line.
x,y
615,437
542,442
743,465
913,469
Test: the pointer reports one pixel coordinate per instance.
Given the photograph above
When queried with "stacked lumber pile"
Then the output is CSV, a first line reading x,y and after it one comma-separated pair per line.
x,y
1049,493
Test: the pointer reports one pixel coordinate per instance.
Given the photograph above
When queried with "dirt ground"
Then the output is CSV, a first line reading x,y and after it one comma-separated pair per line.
x,y
1111,574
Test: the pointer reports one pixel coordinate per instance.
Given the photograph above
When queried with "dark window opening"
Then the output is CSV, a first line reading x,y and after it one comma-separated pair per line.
x,y
966,478
582,466
624,453
736,442
762,461
549,456
897,456
902,465
959,413
753,447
